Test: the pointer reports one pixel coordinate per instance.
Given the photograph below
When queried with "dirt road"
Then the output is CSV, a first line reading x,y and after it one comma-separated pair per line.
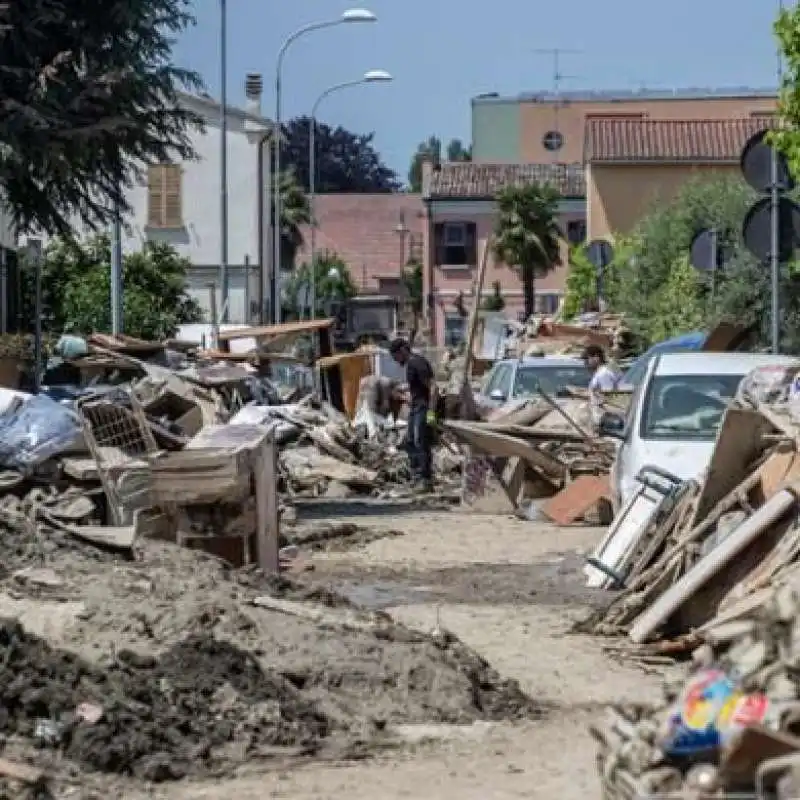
x,y
510,590
253,685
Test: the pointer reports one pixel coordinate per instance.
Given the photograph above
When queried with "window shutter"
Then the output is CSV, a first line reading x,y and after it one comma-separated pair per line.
x,y
173,207
438,238
155,195
472,244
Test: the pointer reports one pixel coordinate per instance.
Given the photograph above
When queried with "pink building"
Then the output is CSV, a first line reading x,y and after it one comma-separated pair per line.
x,y
374,234
459,218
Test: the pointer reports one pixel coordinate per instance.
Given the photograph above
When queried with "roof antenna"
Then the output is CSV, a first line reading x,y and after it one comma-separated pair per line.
x,y
554,139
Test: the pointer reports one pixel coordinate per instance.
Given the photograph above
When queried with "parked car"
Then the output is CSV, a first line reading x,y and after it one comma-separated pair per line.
x,y
674,414
513,379
679,344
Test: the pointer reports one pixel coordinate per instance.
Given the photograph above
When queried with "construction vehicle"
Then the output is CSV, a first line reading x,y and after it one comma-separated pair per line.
x,y
370,318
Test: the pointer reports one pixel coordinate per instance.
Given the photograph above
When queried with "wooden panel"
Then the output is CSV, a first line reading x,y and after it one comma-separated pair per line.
x,y
155,195
739,443
173,196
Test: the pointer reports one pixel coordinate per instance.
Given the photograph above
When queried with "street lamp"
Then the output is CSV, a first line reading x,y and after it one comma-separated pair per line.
x,y
373,76
351,15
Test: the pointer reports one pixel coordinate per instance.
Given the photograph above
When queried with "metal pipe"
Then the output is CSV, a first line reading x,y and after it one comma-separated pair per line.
x,y
373,76
247,316
775,205
352,15
312,201
35,251
223,155
3,290
116,273
262,264
774,256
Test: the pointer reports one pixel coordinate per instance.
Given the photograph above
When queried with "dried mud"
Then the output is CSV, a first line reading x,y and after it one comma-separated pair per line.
x,y
336,536
193,678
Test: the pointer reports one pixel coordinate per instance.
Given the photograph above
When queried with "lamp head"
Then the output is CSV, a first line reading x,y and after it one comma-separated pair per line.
x,y
358,15
377,76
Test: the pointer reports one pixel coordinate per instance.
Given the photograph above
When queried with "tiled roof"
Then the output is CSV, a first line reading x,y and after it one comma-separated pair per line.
x,y
483,181
362,230
698,141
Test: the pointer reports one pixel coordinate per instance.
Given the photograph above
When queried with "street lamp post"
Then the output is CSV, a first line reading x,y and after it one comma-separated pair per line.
x,y
351,15
223,156
373,76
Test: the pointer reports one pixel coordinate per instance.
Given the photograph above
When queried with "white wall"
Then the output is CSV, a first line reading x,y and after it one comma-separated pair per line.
x,y
199,239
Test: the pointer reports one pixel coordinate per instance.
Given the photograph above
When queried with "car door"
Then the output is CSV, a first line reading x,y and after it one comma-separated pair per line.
x,y
499,381
621,477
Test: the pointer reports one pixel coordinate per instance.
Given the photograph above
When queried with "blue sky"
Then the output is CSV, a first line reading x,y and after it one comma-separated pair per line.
x,y
441,54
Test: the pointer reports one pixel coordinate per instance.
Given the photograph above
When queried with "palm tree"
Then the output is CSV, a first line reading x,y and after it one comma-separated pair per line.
x,y
295,212
526,234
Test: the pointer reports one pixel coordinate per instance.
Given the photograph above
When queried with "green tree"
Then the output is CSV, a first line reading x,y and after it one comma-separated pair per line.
x,y
787,31
495,301
456,151
332,281
295,212
413,286
526,234
581,284
661,295
76,289
432,150
87,99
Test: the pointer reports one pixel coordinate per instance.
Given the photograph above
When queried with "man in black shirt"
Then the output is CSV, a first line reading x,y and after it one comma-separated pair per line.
x,y
419,376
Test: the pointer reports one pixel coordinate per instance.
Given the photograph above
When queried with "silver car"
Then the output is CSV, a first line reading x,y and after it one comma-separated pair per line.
x,y
514,379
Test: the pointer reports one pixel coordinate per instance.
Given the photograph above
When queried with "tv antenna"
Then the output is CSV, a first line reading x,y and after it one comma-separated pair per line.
x,y
558,78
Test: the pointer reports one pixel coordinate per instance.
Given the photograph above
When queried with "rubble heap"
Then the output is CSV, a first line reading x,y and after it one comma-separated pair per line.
x,y
732,726
703,547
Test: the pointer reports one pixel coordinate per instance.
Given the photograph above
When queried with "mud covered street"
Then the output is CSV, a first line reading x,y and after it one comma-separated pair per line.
x,y
206,695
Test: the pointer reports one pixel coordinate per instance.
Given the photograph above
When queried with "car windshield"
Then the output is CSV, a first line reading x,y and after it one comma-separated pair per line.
x,y
550,379
681,407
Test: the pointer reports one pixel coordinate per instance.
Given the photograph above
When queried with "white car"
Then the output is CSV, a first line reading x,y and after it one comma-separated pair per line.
x,y
515,378
675,413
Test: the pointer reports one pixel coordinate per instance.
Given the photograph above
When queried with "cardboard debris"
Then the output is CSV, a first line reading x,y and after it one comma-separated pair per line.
x,y
715,570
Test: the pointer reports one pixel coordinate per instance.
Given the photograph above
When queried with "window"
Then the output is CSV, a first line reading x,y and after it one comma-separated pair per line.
x,y
546,303
551,380
681,407
456,244
164,196
499,380
454,325
552,141
576,231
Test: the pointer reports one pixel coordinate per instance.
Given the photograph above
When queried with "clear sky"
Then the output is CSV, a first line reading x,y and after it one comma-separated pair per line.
x,y
443,52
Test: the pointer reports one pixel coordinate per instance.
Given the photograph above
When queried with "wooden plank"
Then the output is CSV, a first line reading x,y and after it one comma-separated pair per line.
x,y
752,747
267,520
122,537
500,445
705,569
573,501
467,399
739,443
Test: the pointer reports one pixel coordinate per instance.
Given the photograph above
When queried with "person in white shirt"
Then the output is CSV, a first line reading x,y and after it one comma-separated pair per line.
x,y
604,379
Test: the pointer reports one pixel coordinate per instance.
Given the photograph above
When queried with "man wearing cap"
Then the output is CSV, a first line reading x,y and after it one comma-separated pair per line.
x,y
421,387
604,379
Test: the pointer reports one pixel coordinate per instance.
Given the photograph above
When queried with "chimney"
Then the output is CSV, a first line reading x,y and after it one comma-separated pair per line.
x,y
253,89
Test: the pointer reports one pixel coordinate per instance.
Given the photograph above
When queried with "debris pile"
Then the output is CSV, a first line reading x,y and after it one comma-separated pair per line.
x,y
680,552
733,726
538,451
